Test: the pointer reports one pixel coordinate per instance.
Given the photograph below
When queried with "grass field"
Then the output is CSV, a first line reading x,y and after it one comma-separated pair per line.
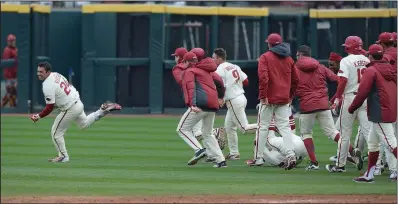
x,y
143,156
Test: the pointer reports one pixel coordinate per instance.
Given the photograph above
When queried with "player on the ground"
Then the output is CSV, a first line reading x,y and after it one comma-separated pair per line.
x,y
351,69
58,93
202,98
273,155
386,40
379,86
234,79
314,102
277,85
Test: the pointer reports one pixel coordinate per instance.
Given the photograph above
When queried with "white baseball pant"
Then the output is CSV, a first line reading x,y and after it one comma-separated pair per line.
x,y
381,132
236,118
346,121
273,155
185,131
197,131
326,123
63,120
265,114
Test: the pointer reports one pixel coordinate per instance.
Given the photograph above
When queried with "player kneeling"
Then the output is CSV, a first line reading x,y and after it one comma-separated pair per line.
x,y
58,93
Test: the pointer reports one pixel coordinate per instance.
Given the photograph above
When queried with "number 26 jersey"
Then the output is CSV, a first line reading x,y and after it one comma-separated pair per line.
x,y
352,68
58,91
232,77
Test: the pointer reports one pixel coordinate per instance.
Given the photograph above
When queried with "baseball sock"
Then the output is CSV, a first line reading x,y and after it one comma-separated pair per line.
x,y
394,152
336,139
309,146
372,159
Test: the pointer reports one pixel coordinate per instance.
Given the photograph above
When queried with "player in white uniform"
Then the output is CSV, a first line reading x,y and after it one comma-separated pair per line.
x,y
273,155
351,69
58,93
234,79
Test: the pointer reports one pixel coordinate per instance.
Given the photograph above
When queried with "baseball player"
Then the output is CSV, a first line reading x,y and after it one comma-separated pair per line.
x,y
386,40
277,85
273,155
314,101
201,97
379,85
234,79
197,129
58,93
351,69
10,73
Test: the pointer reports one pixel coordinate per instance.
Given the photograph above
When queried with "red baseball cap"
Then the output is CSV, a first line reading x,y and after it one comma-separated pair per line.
x,y
199,52
385,38
375,49
189,56
180,52
11,37
274,39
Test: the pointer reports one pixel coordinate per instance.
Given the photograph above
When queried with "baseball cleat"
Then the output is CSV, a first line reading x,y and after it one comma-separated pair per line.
x,y
198,156
254,162
333,159
378,171
333,168
109,107
222,164
290,163
363,179
59,159
393,176
312,166
232,156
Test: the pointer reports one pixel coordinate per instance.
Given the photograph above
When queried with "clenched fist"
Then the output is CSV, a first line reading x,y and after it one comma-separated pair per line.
x,y
35,117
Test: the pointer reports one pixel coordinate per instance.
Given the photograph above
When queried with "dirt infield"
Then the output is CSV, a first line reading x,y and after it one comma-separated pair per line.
x,y
207,199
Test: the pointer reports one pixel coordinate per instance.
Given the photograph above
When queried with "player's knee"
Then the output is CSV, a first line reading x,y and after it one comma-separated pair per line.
x,y
306,136
374,147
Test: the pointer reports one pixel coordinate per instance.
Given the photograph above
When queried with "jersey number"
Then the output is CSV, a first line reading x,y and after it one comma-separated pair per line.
x,y
359,73
235,74
64,85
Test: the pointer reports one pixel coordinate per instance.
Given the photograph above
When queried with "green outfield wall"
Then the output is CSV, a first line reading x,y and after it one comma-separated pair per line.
x,y
122,52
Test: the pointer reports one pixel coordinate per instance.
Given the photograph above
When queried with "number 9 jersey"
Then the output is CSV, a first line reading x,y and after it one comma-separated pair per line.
x,y
58,91
352,68
232,77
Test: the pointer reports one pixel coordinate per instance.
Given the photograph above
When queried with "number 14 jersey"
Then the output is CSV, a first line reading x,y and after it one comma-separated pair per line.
x,y
232,77
352,68
58,91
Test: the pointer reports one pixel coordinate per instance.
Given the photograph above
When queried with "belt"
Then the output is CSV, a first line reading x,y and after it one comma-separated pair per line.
x,y
353,93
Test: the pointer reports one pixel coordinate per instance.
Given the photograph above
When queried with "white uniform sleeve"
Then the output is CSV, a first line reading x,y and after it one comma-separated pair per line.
x,y
49,94
344,68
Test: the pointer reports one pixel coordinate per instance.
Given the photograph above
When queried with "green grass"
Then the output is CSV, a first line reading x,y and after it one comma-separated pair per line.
x,y
144,156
